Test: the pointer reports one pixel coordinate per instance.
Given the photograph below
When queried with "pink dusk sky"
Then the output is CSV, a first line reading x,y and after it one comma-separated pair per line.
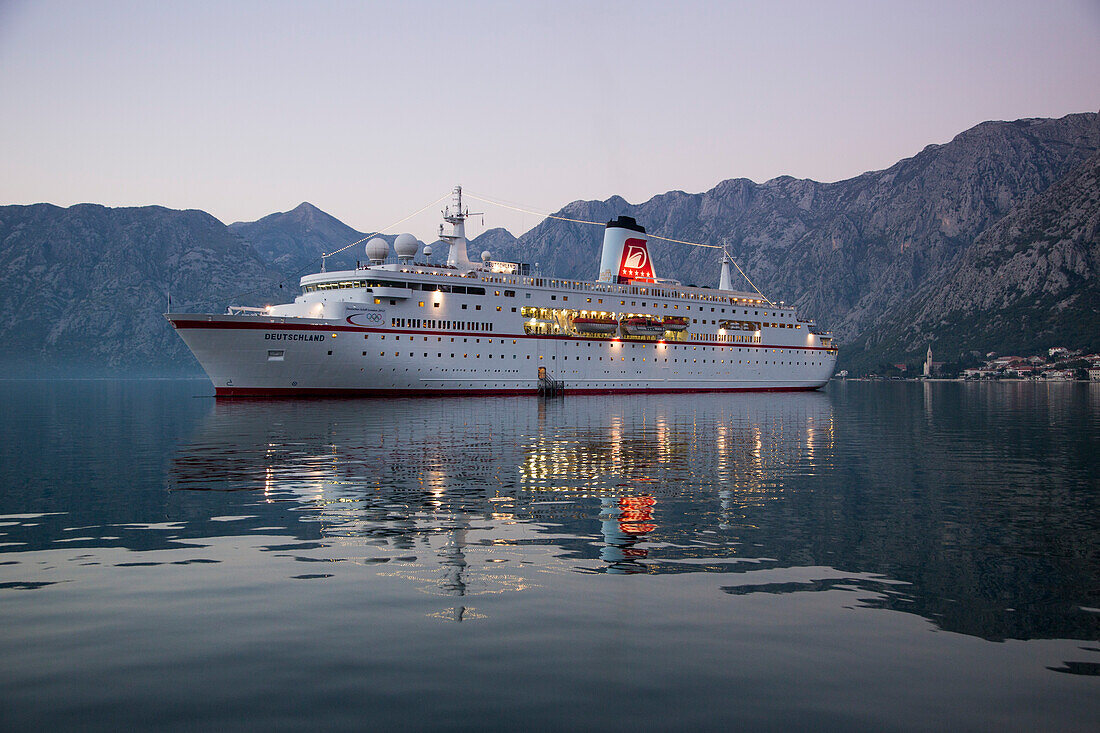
x,y
371,110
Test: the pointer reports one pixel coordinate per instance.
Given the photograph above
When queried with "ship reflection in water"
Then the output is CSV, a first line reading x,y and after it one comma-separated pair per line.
x,y
631,482
451,493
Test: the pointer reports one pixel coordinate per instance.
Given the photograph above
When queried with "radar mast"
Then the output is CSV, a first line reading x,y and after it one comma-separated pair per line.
x,y
456,216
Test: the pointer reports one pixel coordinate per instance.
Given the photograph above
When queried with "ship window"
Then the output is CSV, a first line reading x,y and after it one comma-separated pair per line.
x,y
463,306
275,354
509,293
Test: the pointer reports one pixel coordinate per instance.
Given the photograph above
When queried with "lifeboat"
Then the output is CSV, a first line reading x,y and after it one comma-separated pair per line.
x,y
595,324
675,323
642,326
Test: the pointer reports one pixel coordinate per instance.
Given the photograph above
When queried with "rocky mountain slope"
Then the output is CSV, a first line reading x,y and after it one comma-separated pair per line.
x,y
1029,282
293,241
847,252
497,241
83,289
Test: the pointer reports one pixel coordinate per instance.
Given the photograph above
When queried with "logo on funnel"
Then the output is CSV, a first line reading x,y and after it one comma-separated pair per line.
x,y
635,263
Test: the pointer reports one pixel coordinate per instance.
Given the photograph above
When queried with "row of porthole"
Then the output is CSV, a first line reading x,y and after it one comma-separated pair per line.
x,y
397,354
612,345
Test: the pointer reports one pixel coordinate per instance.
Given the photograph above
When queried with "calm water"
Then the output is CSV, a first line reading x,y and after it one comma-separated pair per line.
x,y
889,556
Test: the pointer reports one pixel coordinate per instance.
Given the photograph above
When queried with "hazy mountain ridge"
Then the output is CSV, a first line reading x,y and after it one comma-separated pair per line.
x,y
497,241
293,241
845,252
1029,282
84,288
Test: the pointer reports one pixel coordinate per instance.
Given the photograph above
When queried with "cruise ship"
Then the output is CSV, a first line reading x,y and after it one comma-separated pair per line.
x,y
397,326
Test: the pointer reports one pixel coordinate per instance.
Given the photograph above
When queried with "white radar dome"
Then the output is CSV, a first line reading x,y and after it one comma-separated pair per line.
x,y
485,256
406,245
427,250
378,250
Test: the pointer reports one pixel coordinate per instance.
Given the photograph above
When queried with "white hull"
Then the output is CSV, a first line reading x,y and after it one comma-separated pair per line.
x,y
331,357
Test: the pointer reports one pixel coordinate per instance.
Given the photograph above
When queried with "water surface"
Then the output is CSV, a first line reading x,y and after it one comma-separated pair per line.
x,y
897,556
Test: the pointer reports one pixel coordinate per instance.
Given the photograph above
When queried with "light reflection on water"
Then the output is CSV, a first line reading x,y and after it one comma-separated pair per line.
x,y
414,474
970,509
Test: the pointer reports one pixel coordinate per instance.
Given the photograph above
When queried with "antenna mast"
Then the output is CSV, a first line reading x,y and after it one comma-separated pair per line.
x,y
456,216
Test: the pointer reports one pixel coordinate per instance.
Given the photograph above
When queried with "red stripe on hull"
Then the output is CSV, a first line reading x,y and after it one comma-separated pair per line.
x,y
239,325
321,392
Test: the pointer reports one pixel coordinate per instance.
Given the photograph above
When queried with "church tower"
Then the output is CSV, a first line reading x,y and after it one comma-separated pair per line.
x,y
928,363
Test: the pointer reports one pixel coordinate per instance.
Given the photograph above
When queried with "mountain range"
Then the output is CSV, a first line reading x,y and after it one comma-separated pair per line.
x,y
84,287
1026,283
293,241
851,252
986,243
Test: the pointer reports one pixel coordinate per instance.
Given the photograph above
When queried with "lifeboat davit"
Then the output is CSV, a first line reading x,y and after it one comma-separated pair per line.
x,y
643,327
675,323
595,324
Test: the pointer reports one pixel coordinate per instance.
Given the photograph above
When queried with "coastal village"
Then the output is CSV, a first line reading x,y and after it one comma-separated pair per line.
x,y
1058,364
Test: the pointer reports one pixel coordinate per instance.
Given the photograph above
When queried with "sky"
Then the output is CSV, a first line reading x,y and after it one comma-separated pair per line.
x,y
372,110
